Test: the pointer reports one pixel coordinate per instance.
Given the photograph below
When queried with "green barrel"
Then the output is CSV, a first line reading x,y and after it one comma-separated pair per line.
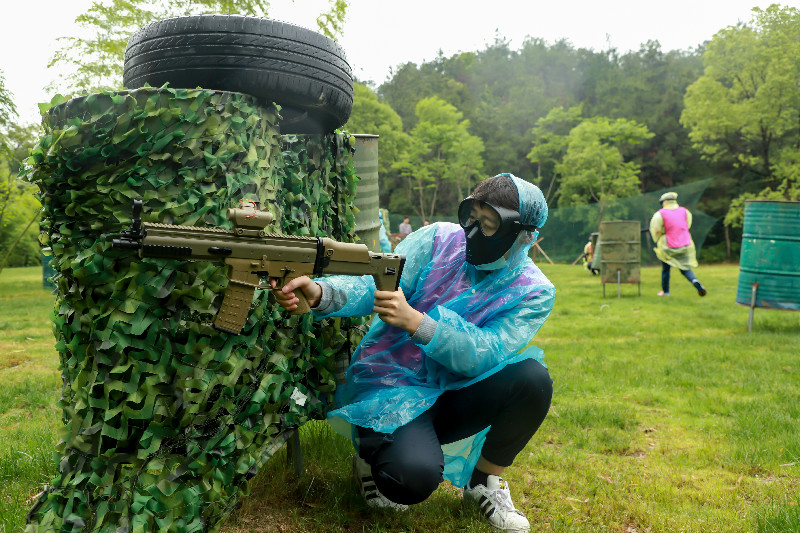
x,y
365,160
770,255
48,272
619,249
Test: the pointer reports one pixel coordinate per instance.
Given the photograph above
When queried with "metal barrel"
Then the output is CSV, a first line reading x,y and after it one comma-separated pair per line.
x,y
365,160
48,272
770,255
618,251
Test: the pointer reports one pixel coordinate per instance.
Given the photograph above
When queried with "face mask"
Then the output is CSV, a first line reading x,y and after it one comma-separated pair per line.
x,y
486,251
483,251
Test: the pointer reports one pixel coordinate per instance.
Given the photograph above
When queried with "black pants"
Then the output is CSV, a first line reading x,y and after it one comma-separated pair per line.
x,y
407,465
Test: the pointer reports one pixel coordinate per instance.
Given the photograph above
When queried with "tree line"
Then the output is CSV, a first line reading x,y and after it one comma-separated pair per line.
x,y
587,125
584,125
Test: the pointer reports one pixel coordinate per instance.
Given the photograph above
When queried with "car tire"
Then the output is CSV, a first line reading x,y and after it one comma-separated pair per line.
x,y
305,72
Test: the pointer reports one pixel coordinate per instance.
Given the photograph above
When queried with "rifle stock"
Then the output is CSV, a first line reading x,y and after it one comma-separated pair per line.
x,y
251,253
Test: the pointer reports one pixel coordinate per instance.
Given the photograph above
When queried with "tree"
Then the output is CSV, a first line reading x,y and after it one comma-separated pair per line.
x,y
98,61
745,108
372,116
443,158
593,167
19,208
7,113
550,140
648,86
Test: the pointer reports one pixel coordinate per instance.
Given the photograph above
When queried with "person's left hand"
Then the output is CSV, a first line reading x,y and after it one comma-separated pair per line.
x,y
393,309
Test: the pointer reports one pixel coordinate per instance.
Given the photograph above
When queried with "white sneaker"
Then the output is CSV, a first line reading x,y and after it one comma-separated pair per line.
x,y
370,492
495,503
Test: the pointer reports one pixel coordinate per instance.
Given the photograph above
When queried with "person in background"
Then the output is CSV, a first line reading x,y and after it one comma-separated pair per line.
x,y
588,256
447,383
405,226
426,223
669,228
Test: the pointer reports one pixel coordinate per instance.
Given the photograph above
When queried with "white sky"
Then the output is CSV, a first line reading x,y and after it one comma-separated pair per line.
x,y
380,34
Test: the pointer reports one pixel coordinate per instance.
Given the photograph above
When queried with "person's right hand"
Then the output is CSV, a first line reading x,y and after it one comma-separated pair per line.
x,y
286,295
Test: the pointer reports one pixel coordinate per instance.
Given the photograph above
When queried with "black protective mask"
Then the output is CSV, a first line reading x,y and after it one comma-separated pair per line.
x,y
481,248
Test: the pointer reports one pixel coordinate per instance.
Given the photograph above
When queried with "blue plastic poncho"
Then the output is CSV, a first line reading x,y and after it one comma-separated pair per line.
x,y
485,322
383,238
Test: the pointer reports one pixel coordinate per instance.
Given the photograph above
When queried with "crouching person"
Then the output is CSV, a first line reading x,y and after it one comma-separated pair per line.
x,y
446,384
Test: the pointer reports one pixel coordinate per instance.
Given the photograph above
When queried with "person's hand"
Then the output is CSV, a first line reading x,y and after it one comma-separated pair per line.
x,y
286,296
393,309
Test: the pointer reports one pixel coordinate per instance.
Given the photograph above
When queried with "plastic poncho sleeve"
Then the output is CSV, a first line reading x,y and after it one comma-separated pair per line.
x,y
470,350
656,226
360,290
383,239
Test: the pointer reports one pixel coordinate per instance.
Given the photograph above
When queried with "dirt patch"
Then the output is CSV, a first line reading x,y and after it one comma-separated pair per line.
x,y
13,359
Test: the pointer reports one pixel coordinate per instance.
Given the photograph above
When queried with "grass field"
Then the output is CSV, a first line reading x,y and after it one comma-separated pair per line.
x,y
668,416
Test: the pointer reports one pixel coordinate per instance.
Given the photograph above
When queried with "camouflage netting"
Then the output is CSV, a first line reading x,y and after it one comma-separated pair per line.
x,y
165,419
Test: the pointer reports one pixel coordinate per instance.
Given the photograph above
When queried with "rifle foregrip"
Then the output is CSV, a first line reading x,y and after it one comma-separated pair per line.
x,y
235,307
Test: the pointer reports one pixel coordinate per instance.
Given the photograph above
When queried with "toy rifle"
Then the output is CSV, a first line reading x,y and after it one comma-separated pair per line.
x,y
251,253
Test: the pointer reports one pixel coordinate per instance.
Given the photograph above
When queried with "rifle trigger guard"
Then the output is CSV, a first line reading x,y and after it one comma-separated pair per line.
x,y
253,285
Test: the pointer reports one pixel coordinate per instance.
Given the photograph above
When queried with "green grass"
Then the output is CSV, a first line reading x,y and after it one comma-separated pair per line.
x,y
30,385
667,416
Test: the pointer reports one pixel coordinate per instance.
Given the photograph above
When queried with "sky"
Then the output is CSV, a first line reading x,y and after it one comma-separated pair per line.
x,y
380,35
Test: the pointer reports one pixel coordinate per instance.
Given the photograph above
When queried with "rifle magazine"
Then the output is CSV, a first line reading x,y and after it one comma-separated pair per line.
x,y
235,307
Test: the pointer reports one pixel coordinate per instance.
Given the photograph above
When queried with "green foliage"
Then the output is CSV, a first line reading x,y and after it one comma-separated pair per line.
x,y
7,112
550,142
19,211
96,62
165,418
503,92
648,86
444,158
331,22
19,208
372,116
589,159
743,109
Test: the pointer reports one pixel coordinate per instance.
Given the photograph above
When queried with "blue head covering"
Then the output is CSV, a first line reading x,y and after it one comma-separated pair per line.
x,y
532,205
533,211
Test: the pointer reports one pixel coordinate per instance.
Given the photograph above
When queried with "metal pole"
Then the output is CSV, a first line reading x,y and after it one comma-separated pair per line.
x,y
618,283
752,307
293,453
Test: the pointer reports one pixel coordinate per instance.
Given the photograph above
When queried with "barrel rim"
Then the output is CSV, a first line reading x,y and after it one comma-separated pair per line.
x,y
772,201
365,135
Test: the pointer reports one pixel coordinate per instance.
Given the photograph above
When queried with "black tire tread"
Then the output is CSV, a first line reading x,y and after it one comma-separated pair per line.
x,y
299,69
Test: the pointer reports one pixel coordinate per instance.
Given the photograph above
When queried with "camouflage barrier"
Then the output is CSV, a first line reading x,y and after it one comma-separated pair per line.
x,y
165,419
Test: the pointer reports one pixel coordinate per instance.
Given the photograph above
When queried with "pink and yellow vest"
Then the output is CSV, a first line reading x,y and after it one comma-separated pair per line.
x,y
676,227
